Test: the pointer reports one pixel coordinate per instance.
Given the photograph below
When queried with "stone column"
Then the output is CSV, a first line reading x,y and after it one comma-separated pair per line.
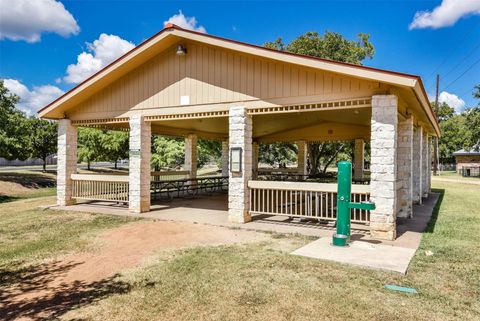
x,y
240,135
417,164
139,165
302,153
66,161
405,167
425,164
431,141
383,167
359,158
225,157
191,155
255,153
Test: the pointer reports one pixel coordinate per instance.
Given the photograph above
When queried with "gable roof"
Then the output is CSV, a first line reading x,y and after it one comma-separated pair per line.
x,y
173,32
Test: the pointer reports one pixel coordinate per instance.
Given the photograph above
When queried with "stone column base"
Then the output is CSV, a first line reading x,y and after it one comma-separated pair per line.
x,y
383,231
239,216
63,202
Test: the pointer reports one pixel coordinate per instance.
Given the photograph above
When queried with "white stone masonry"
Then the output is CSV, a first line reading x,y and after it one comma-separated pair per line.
x,y
240,135
359,159
425,163
225,157
191,155
66,161
302,154
405,167
383,166
139,164
417,165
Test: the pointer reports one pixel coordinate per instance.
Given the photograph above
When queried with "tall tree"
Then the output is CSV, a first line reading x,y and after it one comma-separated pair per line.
x,y
167,152
278,154
334,46
115,146
90,145
473,119
42,139
13,126
456,135
209,151
476,92
444,111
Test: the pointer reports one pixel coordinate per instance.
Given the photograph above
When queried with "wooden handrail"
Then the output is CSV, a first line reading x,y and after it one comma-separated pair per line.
x,y
169,173
305,186
100,177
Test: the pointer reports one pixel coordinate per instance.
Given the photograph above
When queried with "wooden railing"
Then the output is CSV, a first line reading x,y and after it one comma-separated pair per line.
x,y
100,187
312,200
169,175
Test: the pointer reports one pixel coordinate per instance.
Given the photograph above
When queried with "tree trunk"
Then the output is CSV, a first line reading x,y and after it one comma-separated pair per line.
x,y
116,164
88,164
315,151
44,158
331,159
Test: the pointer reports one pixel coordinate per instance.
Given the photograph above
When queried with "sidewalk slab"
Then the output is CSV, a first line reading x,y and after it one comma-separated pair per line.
x,y
360,253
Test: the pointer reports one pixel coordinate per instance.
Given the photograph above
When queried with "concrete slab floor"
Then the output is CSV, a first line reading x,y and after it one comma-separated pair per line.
x,y
389,256
360,253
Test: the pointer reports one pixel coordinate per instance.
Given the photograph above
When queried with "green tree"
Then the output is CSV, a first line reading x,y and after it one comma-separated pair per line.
x,y
209,151
476,92
13,126
278,154
473,118
167,152
90,145
444,111
115,146
332,46
473,122
42,139
456,135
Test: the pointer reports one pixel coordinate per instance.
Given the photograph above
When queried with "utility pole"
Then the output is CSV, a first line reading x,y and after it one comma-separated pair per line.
x,y
435,144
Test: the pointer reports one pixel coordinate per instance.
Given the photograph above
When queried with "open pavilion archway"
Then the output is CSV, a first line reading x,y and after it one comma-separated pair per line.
x,y
243,95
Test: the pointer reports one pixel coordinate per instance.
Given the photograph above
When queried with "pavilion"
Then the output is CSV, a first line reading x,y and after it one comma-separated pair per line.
x,y
187,84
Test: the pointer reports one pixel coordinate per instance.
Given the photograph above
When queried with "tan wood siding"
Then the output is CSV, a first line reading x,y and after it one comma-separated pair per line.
x,y
212,75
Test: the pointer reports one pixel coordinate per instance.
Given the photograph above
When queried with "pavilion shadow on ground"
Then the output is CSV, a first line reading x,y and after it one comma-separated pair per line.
x,y
30,291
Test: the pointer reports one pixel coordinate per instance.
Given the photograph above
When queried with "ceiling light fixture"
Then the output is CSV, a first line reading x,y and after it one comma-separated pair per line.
x,y
181,50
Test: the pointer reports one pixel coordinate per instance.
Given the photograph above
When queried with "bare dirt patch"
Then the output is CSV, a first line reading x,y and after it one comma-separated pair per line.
x,y
54,287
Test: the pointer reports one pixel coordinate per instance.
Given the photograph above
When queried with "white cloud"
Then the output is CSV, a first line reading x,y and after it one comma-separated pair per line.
x,y
452,100
32,100
100,53
28,19
189,23
446,14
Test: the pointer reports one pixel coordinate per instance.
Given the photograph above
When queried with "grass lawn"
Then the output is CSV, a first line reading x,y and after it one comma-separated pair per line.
x,y
261,281
29,234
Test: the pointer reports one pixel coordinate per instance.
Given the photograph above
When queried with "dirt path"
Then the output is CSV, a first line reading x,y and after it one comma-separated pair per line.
x,y
51,289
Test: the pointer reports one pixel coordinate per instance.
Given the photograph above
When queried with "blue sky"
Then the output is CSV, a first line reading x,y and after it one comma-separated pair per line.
x,y
36,52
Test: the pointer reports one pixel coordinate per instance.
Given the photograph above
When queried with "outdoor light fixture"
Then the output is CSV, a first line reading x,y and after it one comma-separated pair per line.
x,y
181,50
236,159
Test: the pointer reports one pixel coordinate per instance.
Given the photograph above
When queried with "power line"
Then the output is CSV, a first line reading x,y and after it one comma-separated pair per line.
x,y
451,52
462,60
461,75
